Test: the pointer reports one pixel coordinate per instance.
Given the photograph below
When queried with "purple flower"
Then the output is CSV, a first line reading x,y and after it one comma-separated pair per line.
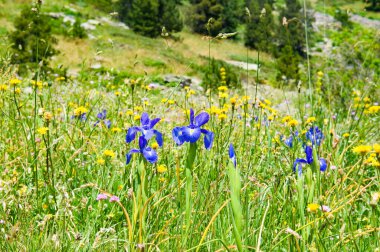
x,y
315,135
149,154
102,116
146,130
297,166
114,199
193,131
101,196
231,154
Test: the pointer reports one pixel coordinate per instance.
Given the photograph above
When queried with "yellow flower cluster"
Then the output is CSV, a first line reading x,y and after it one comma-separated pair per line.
x,y
48,116
38,84
318,85
42,130
290,121
80,111
161,168
313,207
372,161
3,87
362,149
14,82
310,120
109,153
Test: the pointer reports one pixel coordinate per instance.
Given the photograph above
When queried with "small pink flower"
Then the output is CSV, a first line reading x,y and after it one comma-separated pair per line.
x,y
101,196
326,209
333,167
114,199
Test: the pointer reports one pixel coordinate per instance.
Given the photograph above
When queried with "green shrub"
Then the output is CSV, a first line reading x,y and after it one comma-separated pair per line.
x,y
214,78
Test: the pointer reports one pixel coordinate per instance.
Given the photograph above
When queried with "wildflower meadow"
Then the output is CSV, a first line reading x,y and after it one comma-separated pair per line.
x,y
120,164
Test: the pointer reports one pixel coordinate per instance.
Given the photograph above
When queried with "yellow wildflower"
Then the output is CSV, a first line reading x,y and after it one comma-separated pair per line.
x,y
376,148
223,95
233,100
155,146
18,91
164,100
312,207
109,153
14,81
362,149
3,87
161,168
293,123
48,116
117,93
80,111
129,112
222,116
286,119
346,135
373,109
366,99
311,120
136,117
223,88
100,161
42,130
115,130
171,102
138,108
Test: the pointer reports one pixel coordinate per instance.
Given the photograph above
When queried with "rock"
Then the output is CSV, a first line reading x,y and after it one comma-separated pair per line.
x,y
242,64
112,23
96,66
184,81
155,85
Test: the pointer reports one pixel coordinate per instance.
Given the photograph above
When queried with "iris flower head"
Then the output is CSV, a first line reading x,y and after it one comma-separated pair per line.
x,y
297,166
315,135
146,129
149,154
103,116
231,154
193,131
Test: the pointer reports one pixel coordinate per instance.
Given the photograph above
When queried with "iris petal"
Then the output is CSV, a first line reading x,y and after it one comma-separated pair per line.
x,y
191,116
107,123
309,154
178,135
148,134
202,119
191,134
159,138
153,122
142,142
131,134
298,164
231,154
129,155
322,164
208,139
150,155
144,119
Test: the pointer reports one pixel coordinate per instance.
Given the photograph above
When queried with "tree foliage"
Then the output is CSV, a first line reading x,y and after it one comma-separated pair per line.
x,y
148,17
32,40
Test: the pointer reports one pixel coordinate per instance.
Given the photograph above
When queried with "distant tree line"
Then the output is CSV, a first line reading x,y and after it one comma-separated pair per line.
x,y
282,35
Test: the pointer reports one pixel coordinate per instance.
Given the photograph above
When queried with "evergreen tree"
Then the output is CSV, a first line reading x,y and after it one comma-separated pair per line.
x,y
147,17
288,64
260,27
144,17
232,14
202,12
170,16
293,32
374,5
32,40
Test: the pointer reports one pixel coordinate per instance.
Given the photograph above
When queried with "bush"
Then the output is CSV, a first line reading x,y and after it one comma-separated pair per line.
x,y
214,78
32,40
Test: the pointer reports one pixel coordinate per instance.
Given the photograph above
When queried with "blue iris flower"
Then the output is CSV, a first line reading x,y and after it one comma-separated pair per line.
x,y
309,160
231,154
146,130
315,135
149,154
288,141
193,132
102,116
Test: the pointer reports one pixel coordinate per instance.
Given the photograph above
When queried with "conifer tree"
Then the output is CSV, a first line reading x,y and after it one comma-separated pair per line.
x,y
260,27
32,40
147,17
